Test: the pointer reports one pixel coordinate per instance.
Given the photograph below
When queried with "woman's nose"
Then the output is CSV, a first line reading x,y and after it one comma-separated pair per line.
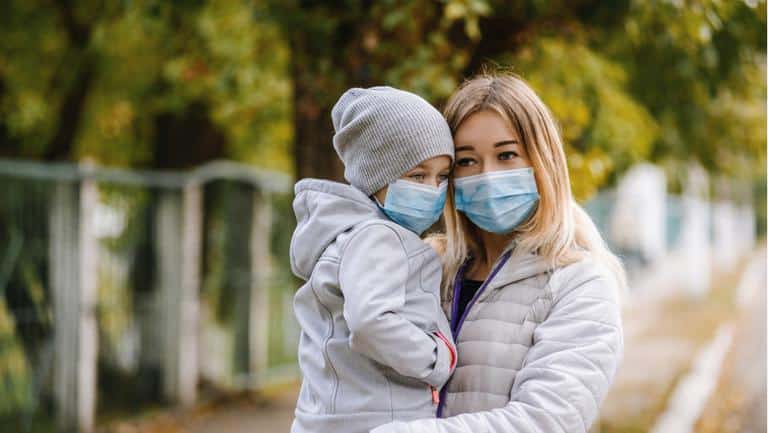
x,y
489,166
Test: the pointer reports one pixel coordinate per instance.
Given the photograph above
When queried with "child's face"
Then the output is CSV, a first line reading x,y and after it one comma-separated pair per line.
x,y
432,171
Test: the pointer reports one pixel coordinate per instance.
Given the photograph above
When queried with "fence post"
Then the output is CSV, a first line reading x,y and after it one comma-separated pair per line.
x,y
73,254
261,268
638,221
192,246
695,239
239,220
179,226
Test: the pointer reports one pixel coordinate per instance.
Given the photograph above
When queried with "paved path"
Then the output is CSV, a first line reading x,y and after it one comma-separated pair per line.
x,y
668,332
687,401
739,403
269,415
271,412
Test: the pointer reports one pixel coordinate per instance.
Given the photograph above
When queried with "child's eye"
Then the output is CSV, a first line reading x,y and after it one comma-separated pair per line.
x,y
417,176
465,162
443,177
504,156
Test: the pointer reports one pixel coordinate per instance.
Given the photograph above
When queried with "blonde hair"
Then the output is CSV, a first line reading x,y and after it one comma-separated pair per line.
x,y
559,230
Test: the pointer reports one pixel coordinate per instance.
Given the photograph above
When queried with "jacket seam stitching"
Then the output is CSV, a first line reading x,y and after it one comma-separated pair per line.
x,y
477,319
421,276
591,362
391,402
580,382
548,296
530,304
583,283
581,319
328,259
611,348
371,224
501,394
558,422
508,343
325,349
419,251
481,364
576,272
597,298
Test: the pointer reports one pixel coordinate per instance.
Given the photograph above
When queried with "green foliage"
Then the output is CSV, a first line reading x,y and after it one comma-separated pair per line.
x,y
700,70
604,128
241,68
394,42
627,81
15,379
151,58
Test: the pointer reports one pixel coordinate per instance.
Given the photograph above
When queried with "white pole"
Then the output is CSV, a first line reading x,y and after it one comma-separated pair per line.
x,y
73,280
179,221
192,240
260,274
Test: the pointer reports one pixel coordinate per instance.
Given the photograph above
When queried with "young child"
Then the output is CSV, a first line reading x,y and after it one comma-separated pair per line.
x,y
375,345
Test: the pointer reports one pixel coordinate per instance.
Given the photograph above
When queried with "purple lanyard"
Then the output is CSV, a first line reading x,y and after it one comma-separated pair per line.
x,y
456,323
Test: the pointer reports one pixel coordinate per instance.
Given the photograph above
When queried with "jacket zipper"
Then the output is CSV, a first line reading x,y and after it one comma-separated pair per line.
x,y
451,367
456,324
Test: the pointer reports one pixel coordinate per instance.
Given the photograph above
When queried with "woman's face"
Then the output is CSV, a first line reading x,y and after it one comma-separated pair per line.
x,y
485,142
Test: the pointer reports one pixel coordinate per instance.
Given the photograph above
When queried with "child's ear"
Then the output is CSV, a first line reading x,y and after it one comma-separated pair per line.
x,y
438,242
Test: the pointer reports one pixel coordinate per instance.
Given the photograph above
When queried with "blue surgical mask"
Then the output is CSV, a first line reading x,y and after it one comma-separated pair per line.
x,y
497,201
414,206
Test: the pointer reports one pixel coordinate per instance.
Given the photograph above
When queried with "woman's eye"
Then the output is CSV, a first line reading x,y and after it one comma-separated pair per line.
x,y
504,156
465,162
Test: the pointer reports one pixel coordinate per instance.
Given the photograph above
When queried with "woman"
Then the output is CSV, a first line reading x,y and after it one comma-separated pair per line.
x,y
530,288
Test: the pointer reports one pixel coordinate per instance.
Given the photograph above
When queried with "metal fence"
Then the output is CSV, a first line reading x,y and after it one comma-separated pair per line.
x,y
695,231
122,289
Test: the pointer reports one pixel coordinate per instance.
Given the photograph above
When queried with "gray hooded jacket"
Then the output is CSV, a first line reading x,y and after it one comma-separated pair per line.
x,y
373,334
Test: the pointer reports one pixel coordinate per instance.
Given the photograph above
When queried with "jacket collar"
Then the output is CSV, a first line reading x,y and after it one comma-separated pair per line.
x,y
520,266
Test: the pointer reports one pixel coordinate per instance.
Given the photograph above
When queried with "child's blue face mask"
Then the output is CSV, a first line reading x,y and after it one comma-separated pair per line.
x,y
413,205
497,201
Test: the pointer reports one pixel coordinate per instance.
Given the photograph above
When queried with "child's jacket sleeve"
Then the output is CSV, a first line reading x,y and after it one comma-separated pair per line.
x,y
566,374
372,277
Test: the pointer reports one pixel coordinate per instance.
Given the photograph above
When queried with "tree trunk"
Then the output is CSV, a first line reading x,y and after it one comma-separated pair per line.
x,y
314,155
73,104
187,139
71,112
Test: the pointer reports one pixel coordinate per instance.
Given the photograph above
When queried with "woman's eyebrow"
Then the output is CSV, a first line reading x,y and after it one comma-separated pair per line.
x,y
465,147
504,143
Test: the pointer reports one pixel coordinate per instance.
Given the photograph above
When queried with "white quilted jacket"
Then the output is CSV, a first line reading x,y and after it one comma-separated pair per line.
x,y
538,350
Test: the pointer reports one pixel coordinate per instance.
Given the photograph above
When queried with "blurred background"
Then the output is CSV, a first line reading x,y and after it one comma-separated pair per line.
x,y
148,151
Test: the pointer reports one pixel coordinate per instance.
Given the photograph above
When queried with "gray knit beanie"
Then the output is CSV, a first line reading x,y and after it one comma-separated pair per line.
x,y
382,133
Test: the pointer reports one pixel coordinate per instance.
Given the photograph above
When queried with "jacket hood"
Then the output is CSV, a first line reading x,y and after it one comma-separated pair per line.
x,y
324,209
